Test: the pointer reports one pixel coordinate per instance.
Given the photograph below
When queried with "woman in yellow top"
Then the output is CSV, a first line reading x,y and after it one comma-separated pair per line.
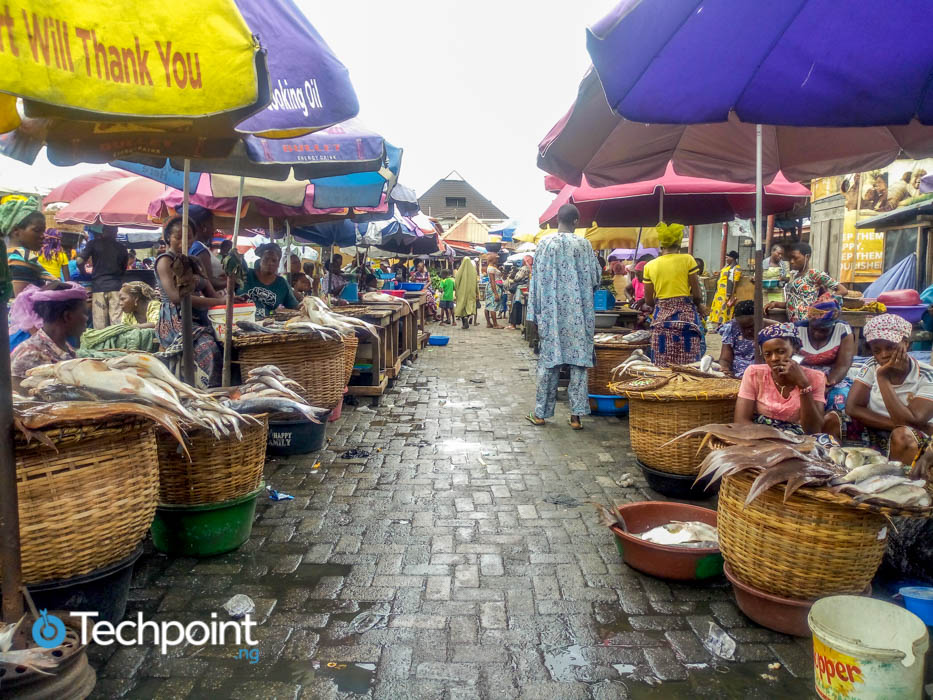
x,y
724,302
52,257
672,287
140,304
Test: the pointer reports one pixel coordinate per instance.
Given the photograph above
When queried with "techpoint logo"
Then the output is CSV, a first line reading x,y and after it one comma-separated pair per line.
x,y
49,631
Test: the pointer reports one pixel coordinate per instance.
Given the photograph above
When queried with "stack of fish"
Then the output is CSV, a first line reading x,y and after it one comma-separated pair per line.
x,y
314,317
639,364
138,378
267,391
383,298
864,474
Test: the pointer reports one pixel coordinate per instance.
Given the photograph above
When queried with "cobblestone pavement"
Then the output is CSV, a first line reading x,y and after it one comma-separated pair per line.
x,y
467,537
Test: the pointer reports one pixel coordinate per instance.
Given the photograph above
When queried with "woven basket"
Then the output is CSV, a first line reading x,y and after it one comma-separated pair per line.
x,y
90,503
608,357
317,365
805,549
350,344
219,470
659,415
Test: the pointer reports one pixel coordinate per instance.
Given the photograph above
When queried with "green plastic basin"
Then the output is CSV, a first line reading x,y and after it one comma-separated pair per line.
x,y
204,530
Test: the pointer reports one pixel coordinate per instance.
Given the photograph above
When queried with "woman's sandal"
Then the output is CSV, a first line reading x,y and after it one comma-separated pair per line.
x,y
534,420
575,424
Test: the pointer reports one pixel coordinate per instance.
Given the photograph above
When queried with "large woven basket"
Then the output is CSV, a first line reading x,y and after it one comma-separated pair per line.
x,y
805,548
608,357
88,504
317,365
219,470
658,416
350,344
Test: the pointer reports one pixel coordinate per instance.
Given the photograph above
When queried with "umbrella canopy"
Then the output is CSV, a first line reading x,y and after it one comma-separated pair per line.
x,y
162,69
629,253
120,202
686,200
76,186
361,189
593,140
340,233
505,231
759,60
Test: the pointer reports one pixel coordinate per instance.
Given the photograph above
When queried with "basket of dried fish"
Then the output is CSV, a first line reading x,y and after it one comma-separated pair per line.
x,y
801,519
610,350
80,507
663,404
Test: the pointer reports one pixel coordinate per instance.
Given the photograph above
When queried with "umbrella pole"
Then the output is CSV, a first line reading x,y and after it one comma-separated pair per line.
x,y
187,331
660,211
231,292
10,561
759,257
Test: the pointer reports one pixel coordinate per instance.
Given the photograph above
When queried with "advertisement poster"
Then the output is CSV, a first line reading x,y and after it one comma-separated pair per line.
x,y
901,184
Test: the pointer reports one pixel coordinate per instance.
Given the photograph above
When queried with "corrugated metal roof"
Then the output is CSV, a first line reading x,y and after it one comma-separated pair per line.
x,y
434,201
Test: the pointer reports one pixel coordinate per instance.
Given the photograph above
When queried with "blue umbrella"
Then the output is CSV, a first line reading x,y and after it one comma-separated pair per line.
x,y
340,233
358,189
506,230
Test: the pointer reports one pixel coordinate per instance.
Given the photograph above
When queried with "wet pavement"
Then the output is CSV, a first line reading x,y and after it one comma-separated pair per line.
x,y
460,559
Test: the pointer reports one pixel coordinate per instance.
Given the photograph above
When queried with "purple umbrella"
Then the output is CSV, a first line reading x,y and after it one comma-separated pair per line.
x,y
310,86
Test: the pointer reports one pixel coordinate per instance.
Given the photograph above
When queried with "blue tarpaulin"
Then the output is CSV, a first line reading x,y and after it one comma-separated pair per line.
x,y
901,276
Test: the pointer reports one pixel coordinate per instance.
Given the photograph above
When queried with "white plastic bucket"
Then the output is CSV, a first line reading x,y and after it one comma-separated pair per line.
x,y
866,649
218,317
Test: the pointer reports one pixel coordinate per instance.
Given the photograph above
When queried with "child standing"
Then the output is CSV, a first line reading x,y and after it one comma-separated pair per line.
x,y
447,297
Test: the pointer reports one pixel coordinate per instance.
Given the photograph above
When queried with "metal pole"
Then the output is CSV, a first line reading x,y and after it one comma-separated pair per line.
x,y
187,331
231,291
759,257
660,208
10,561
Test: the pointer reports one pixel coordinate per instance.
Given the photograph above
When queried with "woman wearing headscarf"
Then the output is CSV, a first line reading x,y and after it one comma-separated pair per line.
x,y
23,224
738,340
781,393
208,355
59,312
517,280
493,290
723,303
466,286
140,304
891,399
827,344
672,287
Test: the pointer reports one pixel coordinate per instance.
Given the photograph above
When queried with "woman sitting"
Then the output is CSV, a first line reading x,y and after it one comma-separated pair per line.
x,y
59,312
892,395
738,340
140,304
781,393
828,345
208,356
264,286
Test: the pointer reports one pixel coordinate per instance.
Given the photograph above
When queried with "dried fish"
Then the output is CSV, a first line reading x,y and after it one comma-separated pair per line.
x,y
838,455
866,471
275,404
681,533
854,460
739,433
607,517
903,495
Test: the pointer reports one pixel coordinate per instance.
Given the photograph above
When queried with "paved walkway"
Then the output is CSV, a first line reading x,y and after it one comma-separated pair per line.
x,y
466,537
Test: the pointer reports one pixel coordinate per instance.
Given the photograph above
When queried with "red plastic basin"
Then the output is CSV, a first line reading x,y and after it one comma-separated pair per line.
x,y
665,561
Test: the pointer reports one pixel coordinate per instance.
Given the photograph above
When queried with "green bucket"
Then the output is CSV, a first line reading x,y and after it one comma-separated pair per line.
x,y
204,530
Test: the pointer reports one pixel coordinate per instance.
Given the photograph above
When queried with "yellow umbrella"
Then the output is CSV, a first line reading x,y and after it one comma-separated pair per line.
x,y
581,232
115,58
609,237
525,237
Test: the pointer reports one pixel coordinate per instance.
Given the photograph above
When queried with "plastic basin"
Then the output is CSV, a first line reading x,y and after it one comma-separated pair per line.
x,y
400,293
678,485
909,313
664,561
105,590
295,436
608,405
204,530
919,600
438,340
411,286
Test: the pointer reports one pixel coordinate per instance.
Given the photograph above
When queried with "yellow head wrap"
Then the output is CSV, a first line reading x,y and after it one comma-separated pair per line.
x,y
670,235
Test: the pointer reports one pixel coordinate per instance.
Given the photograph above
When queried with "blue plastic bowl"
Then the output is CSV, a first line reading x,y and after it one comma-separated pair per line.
x,y
438,340
608,405
919,600
411,286
909,313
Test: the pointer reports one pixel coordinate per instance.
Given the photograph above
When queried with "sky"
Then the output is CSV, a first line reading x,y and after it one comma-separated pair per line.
x,y
470,86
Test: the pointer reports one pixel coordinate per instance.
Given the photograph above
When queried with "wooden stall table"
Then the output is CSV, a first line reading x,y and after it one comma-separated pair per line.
x,y
414,322
396,337
372,382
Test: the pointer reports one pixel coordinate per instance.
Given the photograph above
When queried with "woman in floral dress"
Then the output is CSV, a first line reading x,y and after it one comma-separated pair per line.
x,y
806,286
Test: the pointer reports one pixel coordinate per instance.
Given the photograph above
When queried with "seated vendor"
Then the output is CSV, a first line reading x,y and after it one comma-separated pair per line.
x,y
892,395
59,311
140,304
738,340
827,344
301,284
781,393
264,286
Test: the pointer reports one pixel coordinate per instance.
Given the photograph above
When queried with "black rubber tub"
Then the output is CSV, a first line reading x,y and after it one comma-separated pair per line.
x,y
297,436
678,485
105,590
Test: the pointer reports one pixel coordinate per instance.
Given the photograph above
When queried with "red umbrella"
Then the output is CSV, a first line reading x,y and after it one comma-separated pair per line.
x,y
675,198
121,202
68,191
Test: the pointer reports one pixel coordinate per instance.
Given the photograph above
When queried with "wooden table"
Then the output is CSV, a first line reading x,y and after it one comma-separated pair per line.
x,y
373,382
419,307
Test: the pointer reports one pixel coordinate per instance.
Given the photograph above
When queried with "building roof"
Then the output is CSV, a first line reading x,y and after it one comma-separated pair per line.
x,y
436,201
468,230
